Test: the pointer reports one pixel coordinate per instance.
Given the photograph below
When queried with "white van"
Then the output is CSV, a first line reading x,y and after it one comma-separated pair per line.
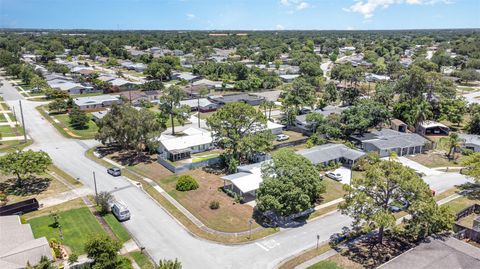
x,y
120,211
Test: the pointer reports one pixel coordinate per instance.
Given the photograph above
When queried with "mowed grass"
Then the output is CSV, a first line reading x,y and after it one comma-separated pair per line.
x,y
78,225
117,228
325,265
141,259
6,130
333,190
88,132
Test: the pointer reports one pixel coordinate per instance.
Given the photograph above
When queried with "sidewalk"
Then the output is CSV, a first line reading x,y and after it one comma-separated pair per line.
x,y
65,197
317,259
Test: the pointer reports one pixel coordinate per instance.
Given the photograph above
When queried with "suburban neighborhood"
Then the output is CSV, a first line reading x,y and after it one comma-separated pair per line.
x,y
218,148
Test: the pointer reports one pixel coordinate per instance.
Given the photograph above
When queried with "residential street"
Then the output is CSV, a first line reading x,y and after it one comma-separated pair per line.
x,y
160,234
154,228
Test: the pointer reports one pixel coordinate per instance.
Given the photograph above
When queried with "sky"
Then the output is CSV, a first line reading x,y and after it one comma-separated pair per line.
x,y
240,14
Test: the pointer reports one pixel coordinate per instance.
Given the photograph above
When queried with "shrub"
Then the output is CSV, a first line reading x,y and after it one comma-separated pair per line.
x,y
103,199
467,152
73,258
186,183
214,205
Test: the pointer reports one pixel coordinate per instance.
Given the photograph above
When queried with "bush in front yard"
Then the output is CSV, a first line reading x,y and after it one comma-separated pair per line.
x,y
186,183
214,204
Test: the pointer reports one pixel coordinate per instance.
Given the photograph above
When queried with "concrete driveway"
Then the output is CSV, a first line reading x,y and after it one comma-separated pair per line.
x,y
346,174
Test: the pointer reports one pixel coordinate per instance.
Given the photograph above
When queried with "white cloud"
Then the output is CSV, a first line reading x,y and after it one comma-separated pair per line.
x,y
190,16
368,7
302,5
350,28
279,27
296,4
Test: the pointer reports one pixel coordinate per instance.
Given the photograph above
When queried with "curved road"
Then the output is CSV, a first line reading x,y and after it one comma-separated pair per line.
x,y
161,235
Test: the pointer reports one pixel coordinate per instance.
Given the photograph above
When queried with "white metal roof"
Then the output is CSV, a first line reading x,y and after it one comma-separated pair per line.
x,y
194,137
99,99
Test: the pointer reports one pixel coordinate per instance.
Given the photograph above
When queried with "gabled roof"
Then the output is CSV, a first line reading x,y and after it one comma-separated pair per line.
x,y
470,138
93,100
388,139
204,102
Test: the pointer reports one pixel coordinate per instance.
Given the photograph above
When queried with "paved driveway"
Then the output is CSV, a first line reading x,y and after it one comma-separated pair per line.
x,y
346,174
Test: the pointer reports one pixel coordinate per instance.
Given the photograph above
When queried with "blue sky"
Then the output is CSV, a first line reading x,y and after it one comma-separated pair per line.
x,y
240,14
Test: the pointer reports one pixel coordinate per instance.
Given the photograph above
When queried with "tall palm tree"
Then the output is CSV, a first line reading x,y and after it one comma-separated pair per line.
x,y
454,142
201,93
421,112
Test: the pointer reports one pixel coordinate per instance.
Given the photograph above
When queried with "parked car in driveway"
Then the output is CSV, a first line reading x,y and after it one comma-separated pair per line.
x,y
114,171
334,176
282,137
394,209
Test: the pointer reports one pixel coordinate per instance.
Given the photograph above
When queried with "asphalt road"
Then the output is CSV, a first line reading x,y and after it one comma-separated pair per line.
x,y
153,228
161,235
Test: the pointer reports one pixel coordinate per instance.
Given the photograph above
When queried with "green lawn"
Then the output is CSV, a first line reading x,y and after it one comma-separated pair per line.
x,y
142,260
333,191
325,265
77,226
2,118
6,130
88,132
117,228
9,146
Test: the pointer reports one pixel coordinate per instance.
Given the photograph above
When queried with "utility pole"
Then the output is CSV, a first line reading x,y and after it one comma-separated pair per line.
x,y
318,239
250,221
95,183
23,123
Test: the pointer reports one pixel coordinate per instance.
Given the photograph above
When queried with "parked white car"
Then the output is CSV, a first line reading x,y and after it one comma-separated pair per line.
x,y
332,175
282,137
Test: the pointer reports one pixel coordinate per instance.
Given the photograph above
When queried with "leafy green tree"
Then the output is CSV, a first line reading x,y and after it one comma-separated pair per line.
x,y
169,264
78,118
44,263
291,184
454,142
240,130
58,105
364,115
472,166
130,128
153,85
388,183
24,163
331,93
474,124
170,105
55,94
103,199
299,94
104,252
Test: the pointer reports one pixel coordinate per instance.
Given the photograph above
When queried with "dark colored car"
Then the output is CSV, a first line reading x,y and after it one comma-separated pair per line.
x,y
114,171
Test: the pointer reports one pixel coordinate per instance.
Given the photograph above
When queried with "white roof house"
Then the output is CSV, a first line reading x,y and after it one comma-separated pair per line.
x,y
204,103
18,246
288,78
194,140
68,86
188,76
208,83
99,101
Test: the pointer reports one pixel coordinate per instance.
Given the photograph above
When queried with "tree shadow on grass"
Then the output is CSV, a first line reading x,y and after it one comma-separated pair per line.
x,y
126,157
370,254
30,186
470,190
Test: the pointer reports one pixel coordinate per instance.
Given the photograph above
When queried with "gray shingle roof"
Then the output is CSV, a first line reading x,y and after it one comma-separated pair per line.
x,y
470,138
328,152
387,139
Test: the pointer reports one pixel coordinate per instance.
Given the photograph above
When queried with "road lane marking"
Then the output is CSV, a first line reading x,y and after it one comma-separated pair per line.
x,y
263,247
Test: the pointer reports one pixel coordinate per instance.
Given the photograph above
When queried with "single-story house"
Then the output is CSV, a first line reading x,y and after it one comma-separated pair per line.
x,y
106,78
194,91
194,140
432,128
18,246
187,76
269,95
301,120
324,154
125,85
210,84
436,253
249,177
96,102
77,69
398,125
135,97
385,140
252,100
202,104
54,76
470,141
288,77
70,86
98,115
275,128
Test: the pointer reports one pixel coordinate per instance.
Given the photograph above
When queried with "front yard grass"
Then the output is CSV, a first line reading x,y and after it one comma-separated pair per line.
x,y
77,226
434,159
86,133
10,146
141,259
230,217
39,187
117,228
